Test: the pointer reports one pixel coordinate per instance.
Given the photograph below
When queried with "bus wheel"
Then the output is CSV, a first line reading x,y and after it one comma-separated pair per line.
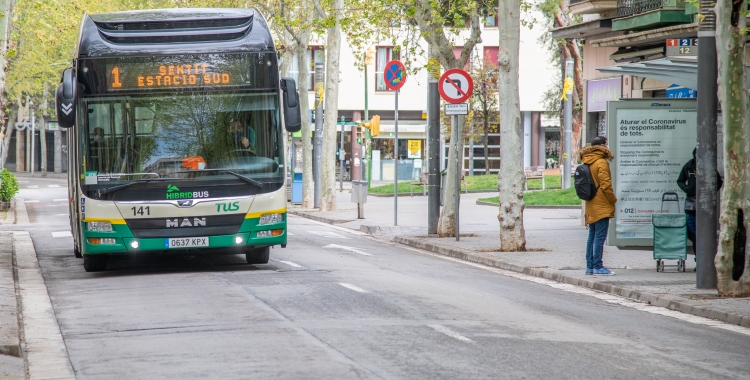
x,y
94,263
77,251
258,255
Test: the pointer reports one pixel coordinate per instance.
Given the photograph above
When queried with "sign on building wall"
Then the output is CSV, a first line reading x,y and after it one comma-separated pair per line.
x,y
651,141
599,92
415,149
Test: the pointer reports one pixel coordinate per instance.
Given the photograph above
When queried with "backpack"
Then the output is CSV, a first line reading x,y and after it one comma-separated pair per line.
x,y
584,183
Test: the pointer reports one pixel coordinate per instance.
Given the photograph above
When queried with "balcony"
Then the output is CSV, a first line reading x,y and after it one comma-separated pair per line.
x,y
633,15
583,7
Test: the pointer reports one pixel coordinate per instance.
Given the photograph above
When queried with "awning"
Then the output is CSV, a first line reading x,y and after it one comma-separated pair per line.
x,y
584,29
682,72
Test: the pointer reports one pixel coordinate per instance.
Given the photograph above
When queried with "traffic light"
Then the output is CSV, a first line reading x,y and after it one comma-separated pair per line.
x,y
369,56
373,125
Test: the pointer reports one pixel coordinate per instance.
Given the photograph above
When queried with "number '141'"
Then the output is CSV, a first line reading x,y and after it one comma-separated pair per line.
x,y
141,210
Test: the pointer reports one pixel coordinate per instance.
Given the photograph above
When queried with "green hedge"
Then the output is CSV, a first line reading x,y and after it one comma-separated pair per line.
x,y
8,186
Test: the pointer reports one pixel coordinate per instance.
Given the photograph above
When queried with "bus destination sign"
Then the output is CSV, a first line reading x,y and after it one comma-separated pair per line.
x,y
205,71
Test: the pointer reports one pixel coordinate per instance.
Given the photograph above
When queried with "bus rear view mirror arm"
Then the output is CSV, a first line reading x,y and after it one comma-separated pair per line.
x,y
292,117
65,99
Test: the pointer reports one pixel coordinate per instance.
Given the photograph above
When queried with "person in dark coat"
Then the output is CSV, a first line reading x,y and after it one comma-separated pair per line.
x,y
687,182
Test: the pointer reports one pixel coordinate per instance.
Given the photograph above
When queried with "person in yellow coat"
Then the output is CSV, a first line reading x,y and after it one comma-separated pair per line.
x,y
602,206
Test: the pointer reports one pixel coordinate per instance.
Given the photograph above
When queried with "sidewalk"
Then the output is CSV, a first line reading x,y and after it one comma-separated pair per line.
x,y
555,240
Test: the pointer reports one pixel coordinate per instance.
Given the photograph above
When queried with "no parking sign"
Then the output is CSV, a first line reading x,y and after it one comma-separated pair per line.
x,y
394,75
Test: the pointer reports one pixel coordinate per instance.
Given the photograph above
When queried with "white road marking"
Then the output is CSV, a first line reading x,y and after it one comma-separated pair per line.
x,y
291,264
32,201
328,234
32,187
47,356
611,298
53,185
60,200
289,233
347,230
352,287
350,249
62,214
450,333
57,234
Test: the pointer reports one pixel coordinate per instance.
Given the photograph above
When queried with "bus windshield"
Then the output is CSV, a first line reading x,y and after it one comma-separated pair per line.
x,y
135,147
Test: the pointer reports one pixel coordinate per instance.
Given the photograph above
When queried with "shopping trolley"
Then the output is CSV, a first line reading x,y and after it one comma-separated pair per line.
x,y
670,234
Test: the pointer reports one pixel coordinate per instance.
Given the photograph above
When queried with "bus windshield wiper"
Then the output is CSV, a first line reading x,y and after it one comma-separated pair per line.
x,y
126,185
251,181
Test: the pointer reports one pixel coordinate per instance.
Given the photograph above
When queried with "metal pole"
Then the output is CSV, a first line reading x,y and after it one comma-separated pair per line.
x,y
341,157
471,149
318,135
369,137
707,228
433,154
459,168
395,167
32,141
568,126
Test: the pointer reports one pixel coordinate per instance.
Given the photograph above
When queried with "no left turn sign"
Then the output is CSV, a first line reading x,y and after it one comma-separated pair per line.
x,y
455,86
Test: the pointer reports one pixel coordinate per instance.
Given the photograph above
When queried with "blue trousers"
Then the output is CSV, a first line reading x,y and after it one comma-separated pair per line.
x,y
691,226
595,243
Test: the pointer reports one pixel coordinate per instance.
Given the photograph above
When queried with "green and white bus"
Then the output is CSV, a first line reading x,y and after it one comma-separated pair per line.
x,y
176,139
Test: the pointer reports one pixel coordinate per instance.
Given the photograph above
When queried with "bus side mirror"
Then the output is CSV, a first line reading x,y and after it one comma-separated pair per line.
x,y
292,118
65,99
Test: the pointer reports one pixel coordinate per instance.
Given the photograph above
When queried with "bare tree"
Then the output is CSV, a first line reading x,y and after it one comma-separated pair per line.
x,y
511,180
732,260
484,104
435,27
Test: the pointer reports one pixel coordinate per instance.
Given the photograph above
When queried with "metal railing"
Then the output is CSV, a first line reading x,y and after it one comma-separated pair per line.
x,y
632,7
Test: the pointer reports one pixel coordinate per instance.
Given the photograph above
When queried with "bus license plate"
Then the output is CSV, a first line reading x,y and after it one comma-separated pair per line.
x,y
187,242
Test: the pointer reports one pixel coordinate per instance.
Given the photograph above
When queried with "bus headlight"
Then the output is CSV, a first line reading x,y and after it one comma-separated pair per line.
x,y
99,226
271,218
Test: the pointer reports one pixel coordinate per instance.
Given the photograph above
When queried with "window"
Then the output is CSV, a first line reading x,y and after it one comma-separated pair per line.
x,y
490,53
384,55
491,20
315,54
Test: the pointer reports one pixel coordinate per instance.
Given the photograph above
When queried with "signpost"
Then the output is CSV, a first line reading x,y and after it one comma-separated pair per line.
x,y
395,77
455,87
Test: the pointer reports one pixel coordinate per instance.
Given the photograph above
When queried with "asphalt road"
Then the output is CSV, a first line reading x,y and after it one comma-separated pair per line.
x,y
372,310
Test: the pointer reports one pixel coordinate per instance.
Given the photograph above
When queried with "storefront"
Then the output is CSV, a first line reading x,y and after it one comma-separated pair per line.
x,y
411,152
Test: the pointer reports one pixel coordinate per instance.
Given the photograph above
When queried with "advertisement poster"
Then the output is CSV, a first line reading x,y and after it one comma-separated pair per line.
x,y
415,149
652,145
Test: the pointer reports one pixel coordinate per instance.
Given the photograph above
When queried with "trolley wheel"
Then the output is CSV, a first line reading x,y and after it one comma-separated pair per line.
x,y
95,263
660,266
683,265
258,255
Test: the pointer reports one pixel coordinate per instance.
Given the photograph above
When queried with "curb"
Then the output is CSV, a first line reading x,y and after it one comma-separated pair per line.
x,y
427,193
668,302
483,203
319,218
10,342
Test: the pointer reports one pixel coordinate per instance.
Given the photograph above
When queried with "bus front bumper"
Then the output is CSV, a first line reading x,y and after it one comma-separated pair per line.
x,y
136,245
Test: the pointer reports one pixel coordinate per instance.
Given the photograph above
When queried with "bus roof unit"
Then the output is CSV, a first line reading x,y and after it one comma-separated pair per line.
x,y
173,31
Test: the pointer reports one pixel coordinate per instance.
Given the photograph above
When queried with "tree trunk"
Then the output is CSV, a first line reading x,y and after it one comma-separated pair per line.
x,y
43,132
6,7
733,276
447,222
511,179
328,165
8,135
308,189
